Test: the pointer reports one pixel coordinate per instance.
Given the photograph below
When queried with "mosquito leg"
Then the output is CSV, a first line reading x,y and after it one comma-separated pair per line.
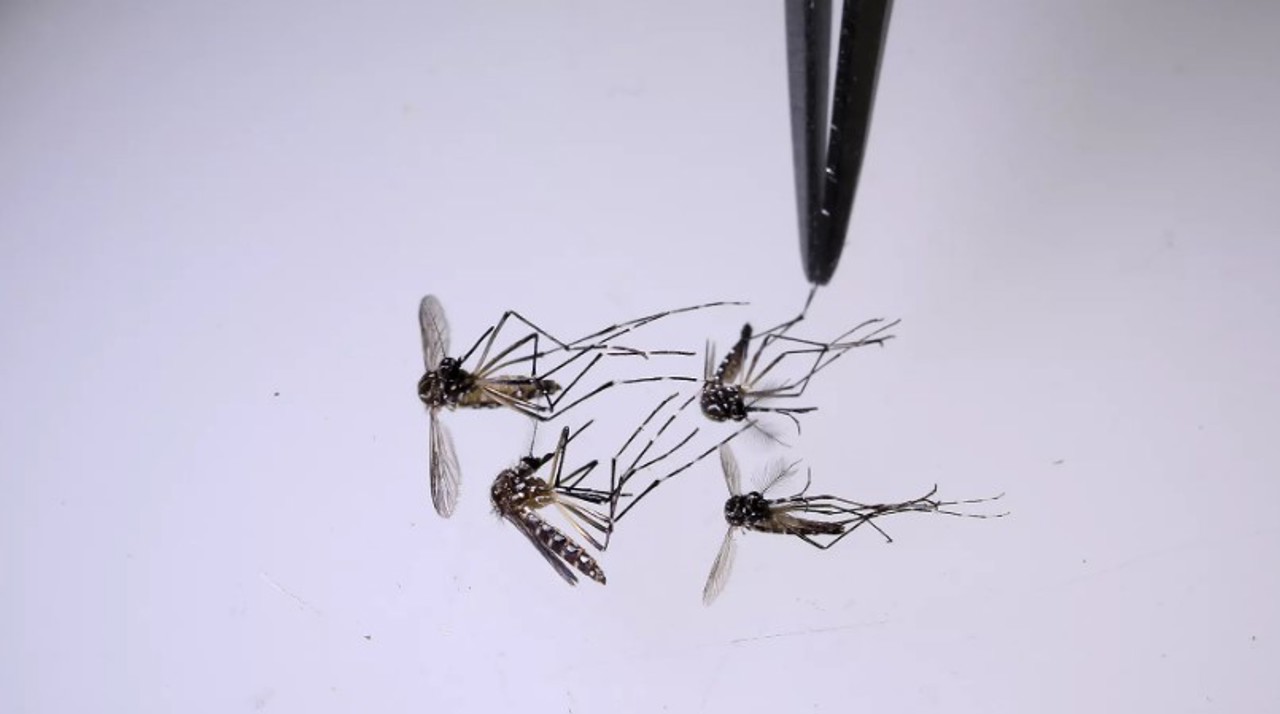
x,y
681,469
553,400
646,421
596,522
831,351
613,332
837,504
872,337
567,483
616,483
529,409
624,351
534,356
536,330
484,335
840,347
796,389
495,364
798,386
769,336
820,545
575,477
634,467
827,545
608,385
941,507
781,329
485,368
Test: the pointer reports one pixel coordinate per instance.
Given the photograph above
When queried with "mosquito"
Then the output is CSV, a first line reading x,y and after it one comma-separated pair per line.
x,y
735,388
448,384
518,494
812,519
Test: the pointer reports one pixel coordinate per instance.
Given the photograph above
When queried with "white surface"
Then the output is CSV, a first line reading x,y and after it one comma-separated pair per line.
x,y
1073,209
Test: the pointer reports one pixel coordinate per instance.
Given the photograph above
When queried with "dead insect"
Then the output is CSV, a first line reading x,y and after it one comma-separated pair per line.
x,y
810,518
447,383
735,389
518,494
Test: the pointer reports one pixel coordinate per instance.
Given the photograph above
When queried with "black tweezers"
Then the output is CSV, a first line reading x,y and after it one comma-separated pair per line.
x,y
827,164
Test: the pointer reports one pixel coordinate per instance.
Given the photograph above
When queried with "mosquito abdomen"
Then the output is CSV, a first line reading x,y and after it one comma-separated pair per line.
x,y
518,390
563,546
781,522
527,390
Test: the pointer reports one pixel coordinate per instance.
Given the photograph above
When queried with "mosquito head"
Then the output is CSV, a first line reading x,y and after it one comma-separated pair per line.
x,y
722,402
746,509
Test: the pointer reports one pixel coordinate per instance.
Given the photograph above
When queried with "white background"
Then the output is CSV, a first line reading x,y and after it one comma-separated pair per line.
x,y
1072,206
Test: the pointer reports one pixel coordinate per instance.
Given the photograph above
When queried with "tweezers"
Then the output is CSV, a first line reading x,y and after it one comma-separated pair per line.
x,y
828,162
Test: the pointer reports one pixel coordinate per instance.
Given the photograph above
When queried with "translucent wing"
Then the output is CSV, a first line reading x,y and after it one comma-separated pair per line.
x,y
444,468
732,476
435,332
720,569
776,472
546,552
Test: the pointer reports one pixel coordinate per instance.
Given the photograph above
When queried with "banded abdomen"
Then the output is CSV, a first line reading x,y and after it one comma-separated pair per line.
x,y
557,542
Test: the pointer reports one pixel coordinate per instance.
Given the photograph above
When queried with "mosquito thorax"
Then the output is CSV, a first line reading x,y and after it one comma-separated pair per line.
x,y
507,489
445,385
746,509
722,402
519,486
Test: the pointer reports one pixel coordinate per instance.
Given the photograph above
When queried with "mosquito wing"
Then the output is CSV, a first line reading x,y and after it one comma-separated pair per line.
x,y
435,332
546,552
776,472
720,569
732,476
444,468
